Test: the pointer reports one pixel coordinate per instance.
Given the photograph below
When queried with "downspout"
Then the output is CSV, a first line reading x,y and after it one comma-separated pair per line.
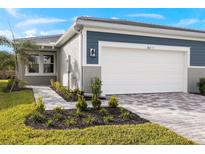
x,y
82,69
58,64
75,29
78,30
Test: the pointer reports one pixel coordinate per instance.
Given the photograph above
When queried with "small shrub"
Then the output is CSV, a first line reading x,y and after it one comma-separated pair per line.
x,y
58,117
122,110
62,90
57,86
89,120
77,91
96,85
81,92
59,109
96,102
201,85
108,119
22,83
125,115
103,111
38,117
19,84
9,84
50,123
113,102
78,113
40,107
81,104
68,96
52,83
70,122
65,92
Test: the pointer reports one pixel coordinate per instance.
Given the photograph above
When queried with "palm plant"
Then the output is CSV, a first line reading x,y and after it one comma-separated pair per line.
x,y
21,49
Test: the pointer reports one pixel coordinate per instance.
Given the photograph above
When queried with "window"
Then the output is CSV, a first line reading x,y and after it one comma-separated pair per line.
x,y
48,63
41,64
33,64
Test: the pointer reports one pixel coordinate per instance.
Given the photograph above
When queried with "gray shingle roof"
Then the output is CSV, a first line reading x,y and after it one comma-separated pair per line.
x,y
43,39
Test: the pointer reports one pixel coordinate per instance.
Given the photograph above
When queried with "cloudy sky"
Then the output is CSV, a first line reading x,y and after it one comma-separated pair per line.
x,y
37,22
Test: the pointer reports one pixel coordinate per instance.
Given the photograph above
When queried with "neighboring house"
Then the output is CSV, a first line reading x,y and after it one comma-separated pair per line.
x,y
129,57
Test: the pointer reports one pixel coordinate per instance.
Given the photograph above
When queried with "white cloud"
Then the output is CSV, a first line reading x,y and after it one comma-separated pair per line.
x,y
6,33
13,12
114,18
52,32
186,22
147,15
30,33
38,21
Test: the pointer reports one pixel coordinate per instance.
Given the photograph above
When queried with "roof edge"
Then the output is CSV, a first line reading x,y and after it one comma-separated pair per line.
x,y
139,29
74,29
134,23
118,24
35,37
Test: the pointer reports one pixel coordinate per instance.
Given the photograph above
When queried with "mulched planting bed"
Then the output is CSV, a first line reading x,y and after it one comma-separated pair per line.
x,y
74,98
91,117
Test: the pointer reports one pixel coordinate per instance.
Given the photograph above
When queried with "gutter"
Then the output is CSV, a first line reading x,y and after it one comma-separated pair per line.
x,y
74,29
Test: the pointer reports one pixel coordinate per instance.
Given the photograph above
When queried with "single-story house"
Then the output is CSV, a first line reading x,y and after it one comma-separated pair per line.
x,y
129,57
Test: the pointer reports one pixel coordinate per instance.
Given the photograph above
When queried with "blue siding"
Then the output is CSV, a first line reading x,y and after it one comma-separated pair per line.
x,y
197,56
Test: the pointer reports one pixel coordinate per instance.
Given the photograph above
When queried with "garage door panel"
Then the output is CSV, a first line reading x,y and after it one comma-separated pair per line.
x,y
141,71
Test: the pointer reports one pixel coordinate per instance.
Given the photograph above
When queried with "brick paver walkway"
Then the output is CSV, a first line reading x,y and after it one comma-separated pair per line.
x,y
183,113
51,99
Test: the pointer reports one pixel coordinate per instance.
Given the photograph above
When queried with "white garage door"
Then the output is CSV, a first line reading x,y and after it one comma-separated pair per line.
x,y
138,70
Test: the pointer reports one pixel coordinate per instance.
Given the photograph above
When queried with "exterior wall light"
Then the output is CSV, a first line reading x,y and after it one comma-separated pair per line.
x,y
92,52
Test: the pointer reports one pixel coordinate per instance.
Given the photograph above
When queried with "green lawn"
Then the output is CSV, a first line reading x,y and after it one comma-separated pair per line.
x,y
16,106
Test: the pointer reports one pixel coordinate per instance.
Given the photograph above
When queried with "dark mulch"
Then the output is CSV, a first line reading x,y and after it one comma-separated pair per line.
x,y
75,97
80,120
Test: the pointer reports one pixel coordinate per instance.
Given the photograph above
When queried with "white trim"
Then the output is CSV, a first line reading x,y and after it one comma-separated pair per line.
x,y
142,46
197,67
51,44
40,74
141,30
186,50
80,59
102,44
54,56
84,32
93,65
41,54
26,67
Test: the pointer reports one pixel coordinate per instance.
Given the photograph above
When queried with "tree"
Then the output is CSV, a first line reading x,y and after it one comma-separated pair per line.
x,y
21,49
7,62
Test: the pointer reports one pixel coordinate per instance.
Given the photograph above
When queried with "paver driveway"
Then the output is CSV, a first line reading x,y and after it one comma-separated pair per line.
x,y
182,112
